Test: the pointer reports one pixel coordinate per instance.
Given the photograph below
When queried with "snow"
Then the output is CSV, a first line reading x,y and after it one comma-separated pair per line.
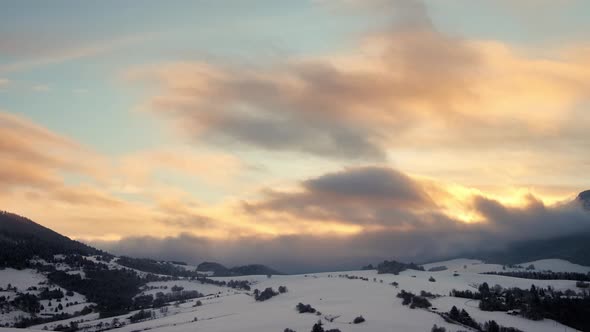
x,y
188,285
226,309
21,279
557,265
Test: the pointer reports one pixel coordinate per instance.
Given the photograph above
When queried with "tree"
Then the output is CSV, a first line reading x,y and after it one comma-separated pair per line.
x,y
303,308
454,313
265,294
491,326
484,288
317,327
438,329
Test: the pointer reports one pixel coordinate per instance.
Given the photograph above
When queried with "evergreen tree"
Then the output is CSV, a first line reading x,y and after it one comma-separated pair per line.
x,y
491,326
454,313
317,327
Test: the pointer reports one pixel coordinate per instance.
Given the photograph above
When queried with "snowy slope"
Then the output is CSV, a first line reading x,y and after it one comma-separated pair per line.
x,y
557,265
226,309
233,310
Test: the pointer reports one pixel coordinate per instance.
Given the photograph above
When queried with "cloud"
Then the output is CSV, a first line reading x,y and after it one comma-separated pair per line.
x,y
341,106
407,86
368,183
72,189
365,196
33,155
213,168
403,218
308,252
32,51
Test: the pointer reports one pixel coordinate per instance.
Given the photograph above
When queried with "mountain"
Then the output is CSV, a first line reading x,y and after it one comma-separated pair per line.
x,y
395,267
216,268
584,199
244,270
21,239
253,269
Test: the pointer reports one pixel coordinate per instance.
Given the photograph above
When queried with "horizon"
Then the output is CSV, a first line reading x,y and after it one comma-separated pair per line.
x,y
306,136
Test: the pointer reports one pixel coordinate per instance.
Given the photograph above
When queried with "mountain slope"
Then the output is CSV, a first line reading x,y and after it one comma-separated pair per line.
x,y
21,239
584,199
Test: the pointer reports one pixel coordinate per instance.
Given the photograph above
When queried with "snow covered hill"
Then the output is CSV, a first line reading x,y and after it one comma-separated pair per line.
x,y
339,296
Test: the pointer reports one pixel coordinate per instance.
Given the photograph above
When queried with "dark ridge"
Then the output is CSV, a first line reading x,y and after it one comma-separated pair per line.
x,y
253,269
584,197
214,267
396,267
244,270
22,239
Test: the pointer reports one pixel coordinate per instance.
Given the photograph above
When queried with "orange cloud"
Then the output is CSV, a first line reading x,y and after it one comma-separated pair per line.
x,y
36,162
207,166
412,87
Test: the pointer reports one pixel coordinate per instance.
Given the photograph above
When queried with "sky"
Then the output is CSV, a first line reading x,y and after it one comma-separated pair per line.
x,y
307,134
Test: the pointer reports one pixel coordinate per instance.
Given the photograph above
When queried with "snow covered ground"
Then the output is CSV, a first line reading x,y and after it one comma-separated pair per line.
x,y
225,309
13,282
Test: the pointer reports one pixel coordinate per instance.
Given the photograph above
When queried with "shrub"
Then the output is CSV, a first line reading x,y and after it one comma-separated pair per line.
x,y
265,294
437,268
303,308
358,320
317,327
140,315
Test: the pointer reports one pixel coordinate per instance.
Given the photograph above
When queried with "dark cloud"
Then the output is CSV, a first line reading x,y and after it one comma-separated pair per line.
x,y
287,133
366,196
304,253
370,183
533,221
398,218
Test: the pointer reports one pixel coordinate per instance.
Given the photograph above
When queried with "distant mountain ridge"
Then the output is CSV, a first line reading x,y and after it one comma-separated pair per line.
x,y
220,270
22,239
584,198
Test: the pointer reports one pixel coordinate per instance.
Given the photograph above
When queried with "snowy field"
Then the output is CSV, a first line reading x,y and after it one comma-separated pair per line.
x,y
29,281
225,309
